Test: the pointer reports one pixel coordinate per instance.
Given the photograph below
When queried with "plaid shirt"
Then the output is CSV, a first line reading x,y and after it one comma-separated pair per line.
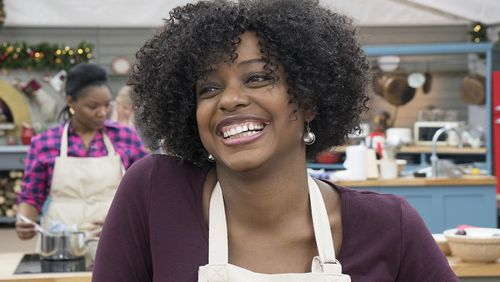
x,y
45,147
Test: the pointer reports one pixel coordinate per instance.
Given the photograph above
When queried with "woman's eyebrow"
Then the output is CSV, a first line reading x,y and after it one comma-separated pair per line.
x,y
252,61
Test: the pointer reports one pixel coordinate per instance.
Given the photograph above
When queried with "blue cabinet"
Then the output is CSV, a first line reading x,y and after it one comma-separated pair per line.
x,y
445,207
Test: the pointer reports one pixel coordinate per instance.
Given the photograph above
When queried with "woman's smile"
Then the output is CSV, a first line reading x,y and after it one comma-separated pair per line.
x,y
238,130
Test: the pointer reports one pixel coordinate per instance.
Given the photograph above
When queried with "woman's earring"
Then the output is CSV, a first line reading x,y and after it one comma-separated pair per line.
x,y
309,137
211,158
71,111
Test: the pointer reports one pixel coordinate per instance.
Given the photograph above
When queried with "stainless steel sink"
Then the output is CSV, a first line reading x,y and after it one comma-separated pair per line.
x,y
445,168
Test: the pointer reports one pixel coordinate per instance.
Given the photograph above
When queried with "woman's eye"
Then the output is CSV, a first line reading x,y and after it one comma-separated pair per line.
x,y
207,91
257,80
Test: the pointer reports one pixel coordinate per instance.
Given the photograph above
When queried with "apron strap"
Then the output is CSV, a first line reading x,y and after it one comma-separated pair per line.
x,y
108,144
321,223
217,230
111,149
64,141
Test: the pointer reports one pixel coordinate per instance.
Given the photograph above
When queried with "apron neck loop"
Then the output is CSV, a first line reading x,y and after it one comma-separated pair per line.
x,y
217,231
64,142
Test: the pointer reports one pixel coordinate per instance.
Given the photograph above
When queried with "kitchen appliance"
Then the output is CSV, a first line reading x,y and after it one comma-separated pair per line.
x,y
424,130
33,263
495,91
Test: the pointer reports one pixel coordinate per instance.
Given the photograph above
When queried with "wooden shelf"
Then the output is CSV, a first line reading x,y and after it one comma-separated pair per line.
x,y
414,149
443,150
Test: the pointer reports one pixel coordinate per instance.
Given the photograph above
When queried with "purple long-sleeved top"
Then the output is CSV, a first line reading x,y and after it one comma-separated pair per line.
x,y
155,231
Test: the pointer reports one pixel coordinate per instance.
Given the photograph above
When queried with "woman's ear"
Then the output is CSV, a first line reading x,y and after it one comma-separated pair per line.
x,y
309,115
69,101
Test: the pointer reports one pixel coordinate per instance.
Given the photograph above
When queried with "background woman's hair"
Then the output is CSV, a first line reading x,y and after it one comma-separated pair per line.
x,y
124,95
79,79
326,68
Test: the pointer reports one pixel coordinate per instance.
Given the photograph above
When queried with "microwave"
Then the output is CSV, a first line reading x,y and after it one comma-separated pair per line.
x,y
423,131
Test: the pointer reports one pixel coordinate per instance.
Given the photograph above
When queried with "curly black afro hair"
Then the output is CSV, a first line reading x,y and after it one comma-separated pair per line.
x,y
326,68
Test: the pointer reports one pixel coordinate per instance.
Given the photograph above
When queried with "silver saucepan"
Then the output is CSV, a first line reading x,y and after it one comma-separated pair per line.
x,y
63,246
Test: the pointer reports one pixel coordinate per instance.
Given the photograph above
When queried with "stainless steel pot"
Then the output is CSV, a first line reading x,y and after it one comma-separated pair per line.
x,y
63,246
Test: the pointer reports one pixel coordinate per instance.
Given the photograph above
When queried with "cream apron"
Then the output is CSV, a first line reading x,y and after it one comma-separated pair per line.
x,y
325,267
82,187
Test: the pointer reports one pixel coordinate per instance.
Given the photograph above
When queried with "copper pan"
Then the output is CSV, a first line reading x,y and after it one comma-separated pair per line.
x,y
472,89
396,89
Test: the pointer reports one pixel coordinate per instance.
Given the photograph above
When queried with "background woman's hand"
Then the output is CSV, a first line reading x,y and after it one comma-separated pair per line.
x,y
24,230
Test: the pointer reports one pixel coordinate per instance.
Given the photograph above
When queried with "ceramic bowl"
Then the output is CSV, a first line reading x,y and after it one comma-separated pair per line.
x,y
476,245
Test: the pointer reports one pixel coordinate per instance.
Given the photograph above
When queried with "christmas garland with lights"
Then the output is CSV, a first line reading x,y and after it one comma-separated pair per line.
x,y
2,13
43,56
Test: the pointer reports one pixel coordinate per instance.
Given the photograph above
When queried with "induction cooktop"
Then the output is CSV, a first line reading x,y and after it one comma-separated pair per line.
x,y
33,263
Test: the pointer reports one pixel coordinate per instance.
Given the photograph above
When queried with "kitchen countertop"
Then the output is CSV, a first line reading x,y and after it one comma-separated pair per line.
x,y
474,269
416,181
9,261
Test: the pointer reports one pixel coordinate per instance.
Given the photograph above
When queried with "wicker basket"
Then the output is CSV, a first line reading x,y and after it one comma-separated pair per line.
x,y
478,245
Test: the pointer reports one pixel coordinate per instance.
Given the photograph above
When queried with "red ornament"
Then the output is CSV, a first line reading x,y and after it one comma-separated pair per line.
x,y
27,133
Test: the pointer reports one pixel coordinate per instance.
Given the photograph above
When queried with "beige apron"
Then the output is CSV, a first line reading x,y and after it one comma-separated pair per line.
x,y
325,267
82,187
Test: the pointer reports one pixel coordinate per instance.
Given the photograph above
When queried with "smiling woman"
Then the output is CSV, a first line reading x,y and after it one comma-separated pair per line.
x,y
244,115
238,94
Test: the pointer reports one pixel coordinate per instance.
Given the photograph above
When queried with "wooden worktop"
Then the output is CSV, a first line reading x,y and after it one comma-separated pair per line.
x,y
9,261
474,269
414,181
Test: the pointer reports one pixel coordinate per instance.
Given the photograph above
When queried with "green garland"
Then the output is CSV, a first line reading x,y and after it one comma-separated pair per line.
x,y
2,13
43,56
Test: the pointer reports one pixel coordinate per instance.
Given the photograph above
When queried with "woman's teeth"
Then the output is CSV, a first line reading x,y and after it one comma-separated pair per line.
x,y
241,130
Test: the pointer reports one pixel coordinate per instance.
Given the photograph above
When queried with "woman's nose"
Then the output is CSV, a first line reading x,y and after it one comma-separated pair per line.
x,y
102,111
233,98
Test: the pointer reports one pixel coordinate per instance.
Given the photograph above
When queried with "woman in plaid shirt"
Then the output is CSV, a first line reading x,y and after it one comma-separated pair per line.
x,y
79,163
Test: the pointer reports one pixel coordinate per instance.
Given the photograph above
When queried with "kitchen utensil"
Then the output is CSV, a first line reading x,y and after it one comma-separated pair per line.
x,y
397,91
328,157
388,168
474,244
416,79
472,89
426,88
63,246
36,225
355,156
388,63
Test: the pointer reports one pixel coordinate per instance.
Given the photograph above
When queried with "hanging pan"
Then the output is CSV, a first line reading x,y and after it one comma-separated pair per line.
x,y
426,88
396,90
472,89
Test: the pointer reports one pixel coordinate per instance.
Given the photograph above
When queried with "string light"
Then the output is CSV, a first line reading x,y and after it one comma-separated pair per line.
x,y
478,33
43,56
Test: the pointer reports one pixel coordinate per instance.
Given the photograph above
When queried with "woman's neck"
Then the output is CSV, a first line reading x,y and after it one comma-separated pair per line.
x,y
81,129
268,197
86,133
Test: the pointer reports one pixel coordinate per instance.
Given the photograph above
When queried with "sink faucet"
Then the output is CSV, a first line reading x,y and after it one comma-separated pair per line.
x,y
435,138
